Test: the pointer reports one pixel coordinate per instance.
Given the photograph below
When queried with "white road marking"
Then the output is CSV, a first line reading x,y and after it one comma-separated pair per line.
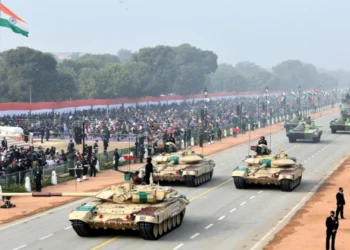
x,y
300,204
19,247
243,203
260,191
179,246
45,237
233,210
68,228
209,226
194,236
252,197
222,217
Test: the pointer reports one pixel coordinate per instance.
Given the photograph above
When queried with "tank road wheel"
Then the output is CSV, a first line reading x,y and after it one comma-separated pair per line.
x,y
149,231
170,224
291,139
239,182
334,131
317,139
286,185
160,229
165,226
211,174
82,229
178,219
196,181
174,221
190,181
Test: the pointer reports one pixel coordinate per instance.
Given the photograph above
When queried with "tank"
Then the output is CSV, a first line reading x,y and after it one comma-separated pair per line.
x,y
306,132
187,167
150,209
340,124
292,123
280,170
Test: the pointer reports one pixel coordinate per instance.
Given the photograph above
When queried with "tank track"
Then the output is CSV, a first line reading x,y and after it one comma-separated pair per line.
x,y
195,181
82,229
290,185
150,231
239,182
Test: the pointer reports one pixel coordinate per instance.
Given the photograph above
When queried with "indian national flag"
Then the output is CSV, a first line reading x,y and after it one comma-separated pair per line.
x,y
10,20
293,94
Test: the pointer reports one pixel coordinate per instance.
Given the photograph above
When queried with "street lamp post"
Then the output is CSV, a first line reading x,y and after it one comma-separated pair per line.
x,y
299,99
266,101
204,119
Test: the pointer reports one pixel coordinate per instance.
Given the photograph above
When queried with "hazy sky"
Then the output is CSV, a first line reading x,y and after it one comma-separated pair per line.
x,y
263,31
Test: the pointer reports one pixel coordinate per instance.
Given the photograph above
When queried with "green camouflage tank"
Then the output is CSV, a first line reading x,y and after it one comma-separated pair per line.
x,y
305,132
340,124
292,123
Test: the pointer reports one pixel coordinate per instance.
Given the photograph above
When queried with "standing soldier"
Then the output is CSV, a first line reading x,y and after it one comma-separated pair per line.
x,y
340,203
93,165
4,144
332,227
116,159
105,145
42,133
38,176
96,147
47,133
142,153
219,134
70,148
148,170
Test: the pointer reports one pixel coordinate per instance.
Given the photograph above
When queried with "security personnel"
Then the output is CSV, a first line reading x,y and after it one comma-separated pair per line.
x,y
4,143
148,170
70,146
116,159
38,176
96,147
332,225
47,133
93,165
42,133
340,203
262,141
105,145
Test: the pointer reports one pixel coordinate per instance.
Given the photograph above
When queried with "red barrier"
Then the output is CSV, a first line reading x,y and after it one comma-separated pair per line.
x,y
95,102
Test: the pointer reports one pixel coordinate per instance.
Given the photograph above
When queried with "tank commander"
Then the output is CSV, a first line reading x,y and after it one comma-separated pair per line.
x,y
262,141
308,120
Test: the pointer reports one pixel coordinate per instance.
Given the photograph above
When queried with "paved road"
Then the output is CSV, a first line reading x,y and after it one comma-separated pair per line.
x,y
219,216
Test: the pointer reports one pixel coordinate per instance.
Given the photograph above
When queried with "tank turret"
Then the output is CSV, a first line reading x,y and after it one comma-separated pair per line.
x,y
153,210
279,170
184,166
340,124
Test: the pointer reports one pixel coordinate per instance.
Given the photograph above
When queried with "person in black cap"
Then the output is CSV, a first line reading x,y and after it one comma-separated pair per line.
x,y
93,165
262,141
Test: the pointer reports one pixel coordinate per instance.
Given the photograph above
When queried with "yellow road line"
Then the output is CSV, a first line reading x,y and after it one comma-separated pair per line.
x,y
209,190
105,243
192,199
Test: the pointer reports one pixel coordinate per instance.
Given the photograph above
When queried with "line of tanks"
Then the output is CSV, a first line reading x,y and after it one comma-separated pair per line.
x,y
155,210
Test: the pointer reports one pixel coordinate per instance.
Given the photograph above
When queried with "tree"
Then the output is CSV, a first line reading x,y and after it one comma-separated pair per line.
x,y
124,55
30,72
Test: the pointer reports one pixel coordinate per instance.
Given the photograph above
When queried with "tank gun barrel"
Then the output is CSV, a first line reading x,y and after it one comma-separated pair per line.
x,y
258,168
48,194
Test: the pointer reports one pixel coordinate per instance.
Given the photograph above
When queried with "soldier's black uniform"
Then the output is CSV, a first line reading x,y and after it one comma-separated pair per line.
x,y
42,133
38,176
332,225
105,145
96,147
47,134
93,165
116,159
148,170
340,204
